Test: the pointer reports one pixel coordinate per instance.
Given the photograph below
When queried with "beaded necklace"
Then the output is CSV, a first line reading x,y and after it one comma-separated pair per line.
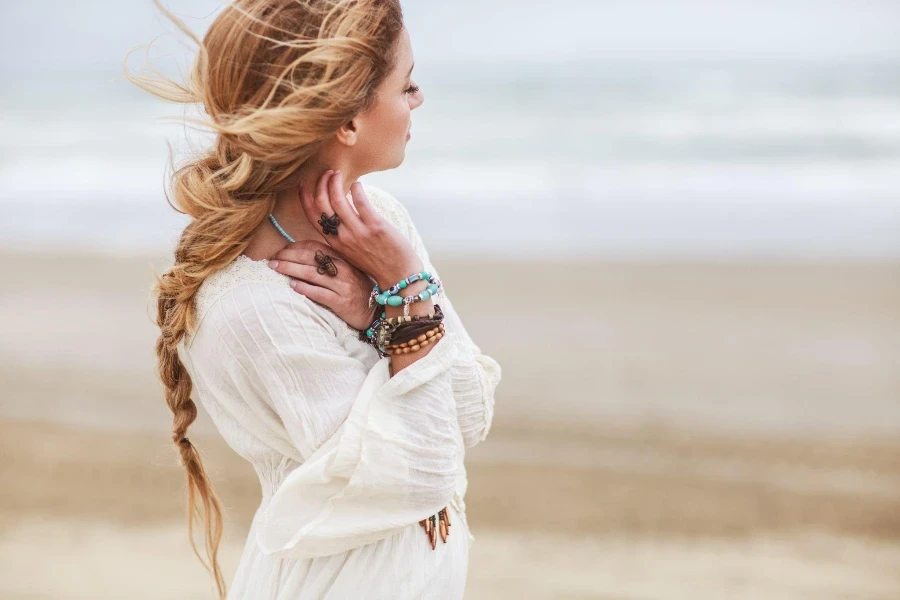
x,y
280,229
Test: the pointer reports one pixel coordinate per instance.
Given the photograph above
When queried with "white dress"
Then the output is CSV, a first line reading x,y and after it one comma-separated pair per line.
x,y
349,458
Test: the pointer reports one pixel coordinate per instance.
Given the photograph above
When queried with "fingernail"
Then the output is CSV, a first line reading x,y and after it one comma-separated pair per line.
x,y
338,172
273,263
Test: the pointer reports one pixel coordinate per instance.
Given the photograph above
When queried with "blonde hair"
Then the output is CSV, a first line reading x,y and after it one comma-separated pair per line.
x,y
276,78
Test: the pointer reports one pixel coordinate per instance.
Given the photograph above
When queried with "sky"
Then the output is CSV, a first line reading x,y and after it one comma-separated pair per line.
x,y
62,35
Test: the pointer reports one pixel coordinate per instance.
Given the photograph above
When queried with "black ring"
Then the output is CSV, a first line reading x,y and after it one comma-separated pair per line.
x,y
326,264
329,224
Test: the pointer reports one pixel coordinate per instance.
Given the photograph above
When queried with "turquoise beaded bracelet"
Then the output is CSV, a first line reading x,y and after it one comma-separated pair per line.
x,y
369,335
391,297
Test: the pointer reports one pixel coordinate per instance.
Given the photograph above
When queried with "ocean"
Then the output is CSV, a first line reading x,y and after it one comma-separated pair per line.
x,y
628,158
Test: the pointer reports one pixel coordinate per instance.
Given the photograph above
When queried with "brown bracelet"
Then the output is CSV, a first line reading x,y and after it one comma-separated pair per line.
x,y
383,330
438,314
432,336
406,328
412,331
421,337
410,339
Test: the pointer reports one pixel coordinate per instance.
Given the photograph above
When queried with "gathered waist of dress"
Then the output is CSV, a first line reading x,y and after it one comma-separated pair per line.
x,y
271,478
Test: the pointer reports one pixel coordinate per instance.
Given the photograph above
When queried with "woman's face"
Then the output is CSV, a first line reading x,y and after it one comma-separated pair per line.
x,y
383,130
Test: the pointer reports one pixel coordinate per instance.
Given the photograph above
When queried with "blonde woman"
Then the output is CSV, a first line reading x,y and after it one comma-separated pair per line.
x,y
357,452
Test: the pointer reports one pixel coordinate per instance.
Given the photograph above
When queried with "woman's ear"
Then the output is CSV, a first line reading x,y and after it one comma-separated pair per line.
x,y
348,133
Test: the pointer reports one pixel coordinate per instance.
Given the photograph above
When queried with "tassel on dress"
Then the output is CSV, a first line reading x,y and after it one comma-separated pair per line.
x,y
435,524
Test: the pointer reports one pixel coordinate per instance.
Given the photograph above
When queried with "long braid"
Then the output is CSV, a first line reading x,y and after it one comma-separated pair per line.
x,y
176,290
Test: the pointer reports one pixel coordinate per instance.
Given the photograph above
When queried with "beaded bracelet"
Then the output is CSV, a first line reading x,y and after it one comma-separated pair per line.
x,y
417,343
438,315
411,330
369,334
395,329
391,296
380,333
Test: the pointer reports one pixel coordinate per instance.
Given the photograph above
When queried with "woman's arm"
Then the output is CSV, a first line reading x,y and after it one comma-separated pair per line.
x,y
475,375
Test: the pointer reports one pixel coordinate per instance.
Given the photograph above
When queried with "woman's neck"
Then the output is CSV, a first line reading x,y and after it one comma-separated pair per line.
x,y
288,211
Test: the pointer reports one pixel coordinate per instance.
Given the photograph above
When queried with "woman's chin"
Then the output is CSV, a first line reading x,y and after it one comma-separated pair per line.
x,y
400,157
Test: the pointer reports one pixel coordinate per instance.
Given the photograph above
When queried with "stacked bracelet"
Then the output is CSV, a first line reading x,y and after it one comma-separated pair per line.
x,y
411,331
417,343
397,330
391,297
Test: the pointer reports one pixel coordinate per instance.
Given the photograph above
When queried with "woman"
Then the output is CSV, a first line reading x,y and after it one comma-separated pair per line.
x,y
358,447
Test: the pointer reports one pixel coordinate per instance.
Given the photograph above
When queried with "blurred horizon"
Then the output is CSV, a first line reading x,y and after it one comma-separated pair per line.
x,y
649,130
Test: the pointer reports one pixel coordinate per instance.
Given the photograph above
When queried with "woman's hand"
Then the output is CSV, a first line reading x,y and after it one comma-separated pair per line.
x,y
364,238
346,294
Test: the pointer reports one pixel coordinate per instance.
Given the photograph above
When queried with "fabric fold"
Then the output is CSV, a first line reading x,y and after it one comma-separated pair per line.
x,y
475,375
393,460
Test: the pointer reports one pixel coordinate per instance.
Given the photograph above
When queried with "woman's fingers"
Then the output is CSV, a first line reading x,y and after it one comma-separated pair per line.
x,y
323,296
315,201
339,202
328,197
323,202
305,272
367,213
304,252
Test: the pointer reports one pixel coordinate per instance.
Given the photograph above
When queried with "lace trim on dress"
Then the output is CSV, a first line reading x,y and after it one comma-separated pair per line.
x,y
240,271
385,204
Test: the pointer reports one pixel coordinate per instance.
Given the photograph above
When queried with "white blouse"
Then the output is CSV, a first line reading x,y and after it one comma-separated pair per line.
x,y
349,458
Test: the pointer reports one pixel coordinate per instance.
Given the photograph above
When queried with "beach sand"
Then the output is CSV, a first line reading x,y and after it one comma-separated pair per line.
x,y
680,430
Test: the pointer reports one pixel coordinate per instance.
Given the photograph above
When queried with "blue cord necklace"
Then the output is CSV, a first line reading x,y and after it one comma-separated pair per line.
x,y
280,228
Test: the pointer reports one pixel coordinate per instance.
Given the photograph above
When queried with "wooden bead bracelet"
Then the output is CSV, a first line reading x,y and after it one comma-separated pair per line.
x,y
417,343
412,331
385,331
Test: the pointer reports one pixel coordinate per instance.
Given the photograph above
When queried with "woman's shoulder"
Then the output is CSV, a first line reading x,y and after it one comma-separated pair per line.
x,y
241,271
248,289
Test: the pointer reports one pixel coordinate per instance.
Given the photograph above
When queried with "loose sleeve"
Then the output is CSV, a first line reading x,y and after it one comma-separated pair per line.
x,y
475,375
391,462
